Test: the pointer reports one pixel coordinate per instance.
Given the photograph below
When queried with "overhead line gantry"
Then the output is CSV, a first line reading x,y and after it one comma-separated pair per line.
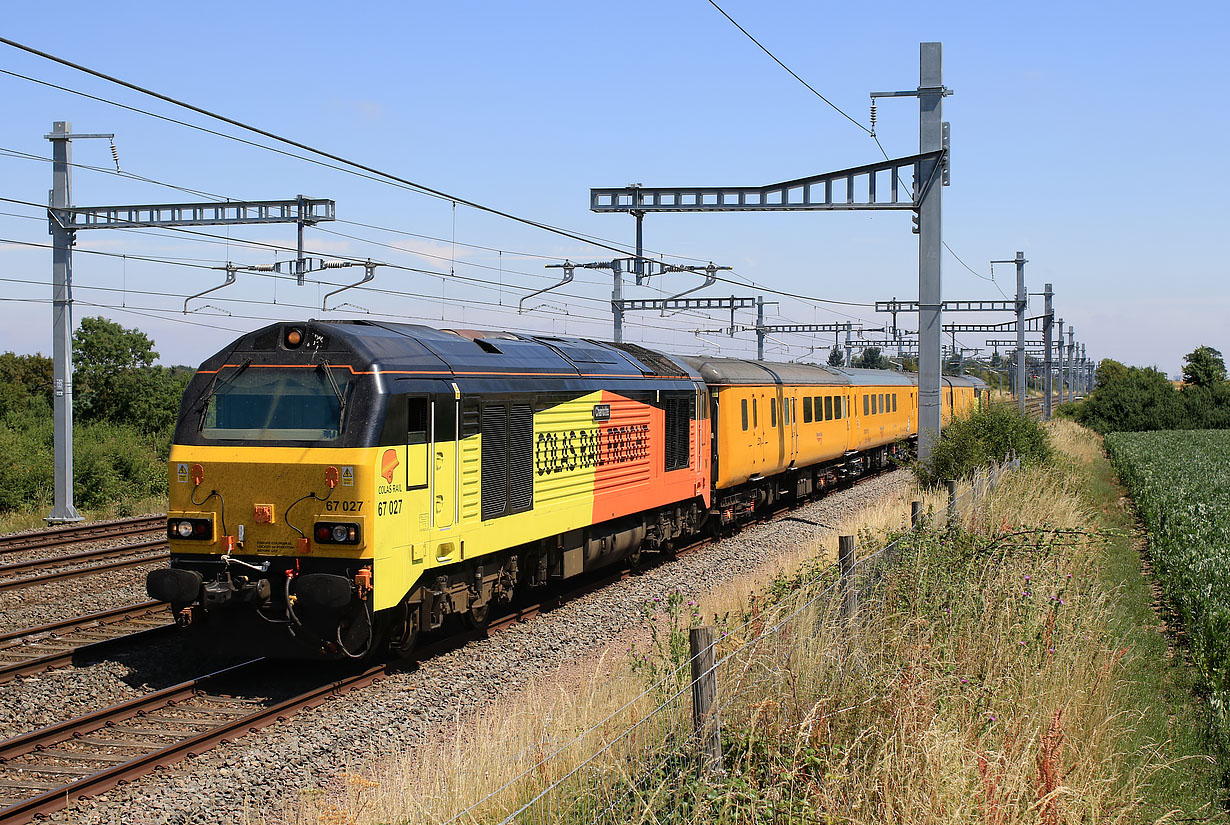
x,y
870,187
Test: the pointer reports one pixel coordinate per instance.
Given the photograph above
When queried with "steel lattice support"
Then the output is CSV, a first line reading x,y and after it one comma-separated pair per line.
x,y
65,221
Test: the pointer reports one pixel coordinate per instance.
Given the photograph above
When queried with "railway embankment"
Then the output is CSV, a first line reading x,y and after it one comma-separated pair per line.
x,y
1013,669
283,771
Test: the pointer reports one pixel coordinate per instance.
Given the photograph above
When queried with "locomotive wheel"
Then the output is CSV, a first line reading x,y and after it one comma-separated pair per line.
x,y
477,617
405,633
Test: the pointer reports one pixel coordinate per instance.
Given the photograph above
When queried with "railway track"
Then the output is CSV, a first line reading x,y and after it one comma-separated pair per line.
x,y
80,533
57,568
36,649
44,770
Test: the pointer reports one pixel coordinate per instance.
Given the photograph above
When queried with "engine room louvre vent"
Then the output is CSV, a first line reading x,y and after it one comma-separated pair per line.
x,y
677,436
656,363
521,459
495,461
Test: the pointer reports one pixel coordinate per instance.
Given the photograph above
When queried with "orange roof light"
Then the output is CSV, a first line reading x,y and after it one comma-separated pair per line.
x,y
294,338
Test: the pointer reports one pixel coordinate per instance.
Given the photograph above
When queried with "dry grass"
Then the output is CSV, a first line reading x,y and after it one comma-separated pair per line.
x,y
982,686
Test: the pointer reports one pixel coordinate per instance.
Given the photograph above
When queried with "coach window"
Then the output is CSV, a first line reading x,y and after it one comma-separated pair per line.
x,y
755,421
894,402
743,405
772,412
828,408
866,405
807,409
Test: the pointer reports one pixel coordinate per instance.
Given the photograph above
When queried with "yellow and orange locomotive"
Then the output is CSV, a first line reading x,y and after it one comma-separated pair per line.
x,y
338,486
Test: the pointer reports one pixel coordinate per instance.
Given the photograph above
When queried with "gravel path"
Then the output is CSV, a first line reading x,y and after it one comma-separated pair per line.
x,y
251,779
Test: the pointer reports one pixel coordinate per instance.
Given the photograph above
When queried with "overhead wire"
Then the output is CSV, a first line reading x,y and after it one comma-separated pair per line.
x,y
372,172
776,60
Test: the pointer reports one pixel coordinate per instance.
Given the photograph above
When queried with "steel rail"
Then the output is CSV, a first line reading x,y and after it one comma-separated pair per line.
x,y
224,722
79,533
65,624
64,641
97,554
79,558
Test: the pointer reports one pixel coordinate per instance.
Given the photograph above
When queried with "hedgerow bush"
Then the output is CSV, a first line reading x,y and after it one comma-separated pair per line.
x,y
113,464
984,435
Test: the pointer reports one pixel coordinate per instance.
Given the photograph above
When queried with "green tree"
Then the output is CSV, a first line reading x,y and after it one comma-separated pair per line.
x,y
1108,372
873,358
836,358
1138,398
115,379
24,379
1204,367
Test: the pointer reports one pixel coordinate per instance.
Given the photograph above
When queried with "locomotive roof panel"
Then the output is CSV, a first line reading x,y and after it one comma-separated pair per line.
x,y
420,349
744,372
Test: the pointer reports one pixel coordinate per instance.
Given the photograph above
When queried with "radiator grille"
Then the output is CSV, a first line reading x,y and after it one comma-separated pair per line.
x,y
495,461
678,441
521,459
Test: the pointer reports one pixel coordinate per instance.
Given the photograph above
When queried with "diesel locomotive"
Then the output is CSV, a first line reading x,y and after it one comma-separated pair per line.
x,y
338,486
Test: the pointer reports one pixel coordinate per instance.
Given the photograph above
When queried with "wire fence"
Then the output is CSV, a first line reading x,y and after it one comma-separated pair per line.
x,y
730,679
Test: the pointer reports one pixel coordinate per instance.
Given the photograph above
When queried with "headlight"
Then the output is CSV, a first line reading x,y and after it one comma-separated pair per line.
x,y
340,533
183,529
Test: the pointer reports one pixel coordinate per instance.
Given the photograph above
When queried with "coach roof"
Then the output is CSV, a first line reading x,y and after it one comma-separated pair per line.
x,y
742,372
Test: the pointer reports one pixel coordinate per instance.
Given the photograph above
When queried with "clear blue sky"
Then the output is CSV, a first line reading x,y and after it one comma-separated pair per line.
x,y
1090,136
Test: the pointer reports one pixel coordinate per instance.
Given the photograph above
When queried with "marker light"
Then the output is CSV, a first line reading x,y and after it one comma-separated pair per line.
x,y
333,532
196,529
294,338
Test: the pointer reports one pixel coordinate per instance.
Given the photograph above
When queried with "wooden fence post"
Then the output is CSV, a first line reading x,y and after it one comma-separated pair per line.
x,y
705,723
845,560
915,513
952,504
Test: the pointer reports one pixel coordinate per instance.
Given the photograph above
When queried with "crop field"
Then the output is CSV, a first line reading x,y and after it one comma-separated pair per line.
x,y
1180,481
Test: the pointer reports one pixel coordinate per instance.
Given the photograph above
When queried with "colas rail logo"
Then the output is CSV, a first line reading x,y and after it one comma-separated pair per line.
x,y
388,463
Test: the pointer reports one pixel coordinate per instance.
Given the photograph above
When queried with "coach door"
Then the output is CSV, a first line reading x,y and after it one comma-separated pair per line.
x,y
444,422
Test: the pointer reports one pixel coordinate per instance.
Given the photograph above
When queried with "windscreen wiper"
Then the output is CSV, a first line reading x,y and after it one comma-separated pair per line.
x,y
341,399
215,387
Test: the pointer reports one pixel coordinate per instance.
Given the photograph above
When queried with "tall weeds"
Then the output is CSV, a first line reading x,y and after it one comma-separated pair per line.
x,y
980,684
